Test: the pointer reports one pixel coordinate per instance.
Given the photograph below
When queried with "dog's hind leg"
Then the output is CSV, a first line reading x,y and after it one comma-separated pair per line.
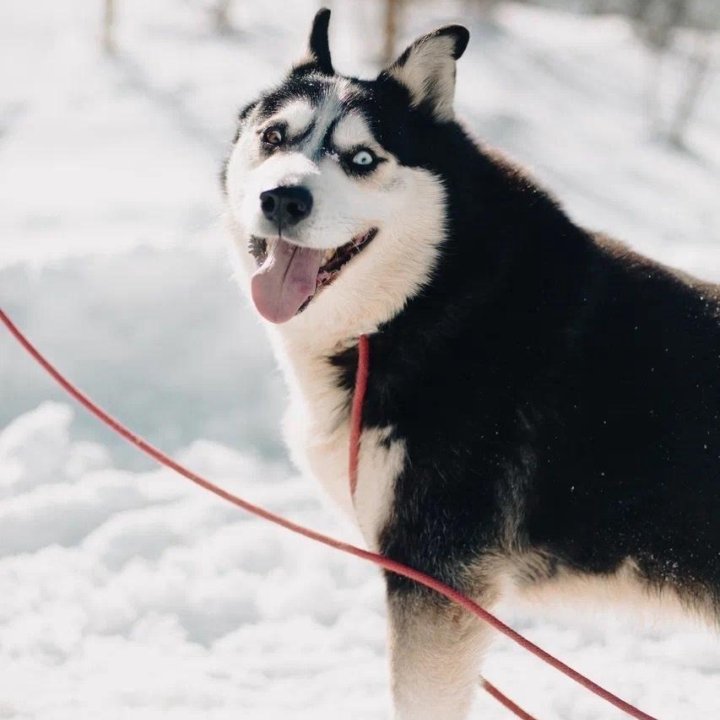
x,y
435,652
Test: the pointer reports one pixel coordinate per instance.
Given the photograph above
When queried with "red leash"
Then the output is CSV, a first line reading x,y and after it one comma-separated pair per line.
x,y
379,560
358,402
505,701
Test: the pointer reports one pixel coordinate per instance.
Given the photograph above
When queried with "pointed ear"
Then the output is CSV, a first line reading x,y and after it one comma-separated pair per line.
x,y
427,69
317,58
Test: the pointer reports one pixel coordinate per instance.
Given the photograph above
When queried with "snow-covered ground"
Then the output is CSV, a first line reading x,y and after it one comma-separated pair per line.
x,y
125,593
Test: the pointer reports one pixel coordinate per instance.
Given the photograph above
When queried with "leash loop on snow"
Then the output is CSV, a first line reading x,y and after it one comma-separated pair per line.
x,y
379,560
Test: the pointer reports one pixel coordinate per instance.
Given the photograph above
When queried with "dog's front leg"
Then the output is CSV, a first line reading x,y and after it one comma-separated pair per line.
x,y
435,651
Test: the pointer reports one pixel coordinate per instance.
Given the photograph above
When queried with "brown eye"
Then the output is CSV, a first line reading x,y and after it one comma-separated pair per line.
x,y
273,136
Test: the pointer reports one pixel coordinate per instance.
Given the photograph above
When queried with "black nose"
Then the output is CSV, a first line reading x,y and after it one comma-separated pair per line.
x,y
286,206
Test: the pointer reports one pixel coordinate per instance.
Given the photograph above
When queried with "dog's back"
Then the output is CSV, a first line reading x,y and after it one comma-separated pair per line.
x,y
638,419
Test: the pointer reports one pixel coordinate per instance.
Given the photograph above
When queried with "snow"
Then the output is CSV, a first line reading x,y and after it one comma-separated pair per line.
x,y
127,592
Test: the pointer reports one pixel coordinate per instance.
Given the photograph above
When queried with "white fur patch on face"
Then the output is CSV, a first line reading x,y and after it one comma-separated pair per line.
x,y
282,168
297,114
351,131
325,116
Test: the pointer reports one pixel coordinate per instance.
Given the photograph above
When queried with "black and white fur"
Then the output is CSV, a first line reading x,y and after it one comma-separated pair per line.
x,y
543,413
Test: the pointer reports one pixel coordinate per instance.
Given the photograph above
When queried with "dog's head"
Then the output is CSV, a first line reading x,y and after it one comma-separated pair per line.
x,y
335,209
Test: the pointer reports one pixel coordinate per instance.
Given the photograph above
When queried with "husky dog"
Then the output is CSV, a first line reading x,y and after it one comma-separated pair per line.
x,y
543,410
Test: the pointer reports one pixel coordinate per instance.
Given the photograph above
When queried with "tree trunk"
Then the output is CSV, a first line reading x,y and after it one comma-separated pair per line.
x,y
390,29
222,16
108,29
482,9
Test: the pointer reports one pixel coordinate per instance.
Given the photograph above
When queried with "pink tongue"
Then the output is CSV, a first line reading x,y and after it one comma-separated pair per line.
x,y
285,280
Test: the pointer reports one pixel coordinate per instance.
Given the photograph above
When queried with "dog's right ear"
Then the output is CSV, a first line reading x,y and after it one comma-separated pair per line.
x,y
427,70
317,58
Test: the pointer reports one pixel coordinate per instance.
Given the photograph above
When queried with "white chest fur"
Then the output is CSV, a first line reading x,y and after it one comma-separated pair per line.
x,y
317,430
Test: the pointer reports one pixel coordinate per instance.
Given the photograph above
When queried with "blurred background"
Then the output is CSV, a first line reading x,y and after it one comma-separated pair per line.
x,y
115,117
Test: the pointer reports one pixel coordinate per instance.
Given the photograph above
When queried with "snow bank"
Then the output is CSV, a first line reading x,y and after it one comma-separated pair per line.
x,y
136,593
160,338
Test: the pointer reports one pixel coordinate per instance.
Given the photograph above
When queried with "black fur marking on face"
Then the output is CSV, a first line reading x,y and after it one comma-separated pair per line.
x,y
312,88
257,247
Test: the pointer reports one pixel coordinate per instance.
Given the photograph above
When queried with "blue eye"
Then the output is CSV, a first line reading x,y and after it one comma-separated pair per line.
x,y
363,158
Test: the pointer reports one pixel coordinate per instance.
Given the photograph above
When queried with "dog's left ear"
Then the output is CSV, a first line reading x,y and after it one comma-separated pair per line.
x,y
317,58
427,69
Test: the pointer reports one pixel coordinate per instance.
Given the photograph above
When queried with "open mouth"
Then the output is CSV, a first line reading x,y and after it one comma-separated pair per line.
x,y
335,259
290,276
